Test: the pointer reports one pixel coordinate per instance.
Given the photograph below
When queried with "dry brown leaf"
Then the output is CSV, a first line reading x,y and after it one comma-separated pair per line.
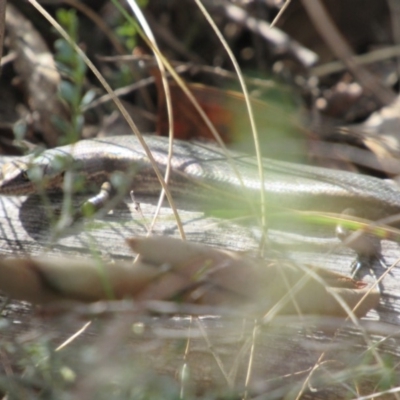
x,y
171,269
40,280
234,277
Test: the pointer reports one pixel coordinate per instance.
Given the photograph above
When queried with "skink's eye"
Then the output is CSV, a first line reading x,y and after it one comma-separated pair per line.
x,y
24,175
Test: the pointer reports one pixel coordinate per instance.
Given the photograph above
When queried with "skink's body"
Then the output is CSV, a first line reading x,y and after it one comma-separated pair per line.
x,y
203,171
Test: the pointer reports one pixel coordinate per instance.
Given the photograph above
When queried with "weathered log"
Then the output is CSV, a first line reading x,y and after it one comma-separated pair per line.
x,y
276,356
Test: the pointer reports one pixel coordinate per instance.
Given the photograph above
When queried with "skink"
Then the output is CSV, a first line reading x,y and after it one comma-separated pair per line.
x,y
200,170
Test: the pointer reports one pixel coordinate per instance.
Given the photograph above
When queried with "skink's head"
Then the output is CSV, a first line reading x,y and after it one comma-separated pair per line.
x,y
27,176
14,179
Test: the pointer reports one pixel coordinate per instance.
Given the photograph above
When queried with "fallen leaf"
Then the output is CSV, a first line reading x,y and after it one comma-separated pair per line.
x,y
174,270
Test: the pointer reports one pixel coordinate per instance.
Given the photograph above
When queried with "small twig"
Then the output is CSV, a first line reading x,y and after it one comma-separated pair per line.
x,y
184,368
215,355
394,7
277,39
334,39
135,202
280,13
77,334
182,67
362,59
123,91
3,4
251,360
138,209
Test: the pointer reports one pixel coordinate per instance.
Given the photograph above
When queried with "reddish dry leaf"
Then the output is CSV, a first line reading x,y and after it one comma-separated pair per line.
x,y
188,124
226,109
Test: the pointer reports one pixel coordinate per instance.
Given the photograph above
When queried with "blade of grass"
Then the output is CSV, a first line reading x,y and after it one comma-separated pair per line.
x,y
149,34
249,110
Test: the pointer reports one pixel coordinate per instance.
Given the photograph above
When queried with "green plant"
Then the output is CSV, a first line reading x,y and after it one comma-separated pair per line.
x,y
73,68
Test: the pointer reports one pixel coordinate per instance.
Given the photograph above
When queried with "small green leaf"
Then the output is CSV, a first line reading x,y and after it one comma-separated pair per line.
x,y
69,92
88,97
126,30
19,129
65,52
79,122
61,124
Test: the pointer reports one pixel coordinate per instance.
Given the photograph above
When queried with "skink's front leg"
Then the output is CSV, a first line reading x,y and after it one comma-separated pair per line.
x,y
366,245
97,202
